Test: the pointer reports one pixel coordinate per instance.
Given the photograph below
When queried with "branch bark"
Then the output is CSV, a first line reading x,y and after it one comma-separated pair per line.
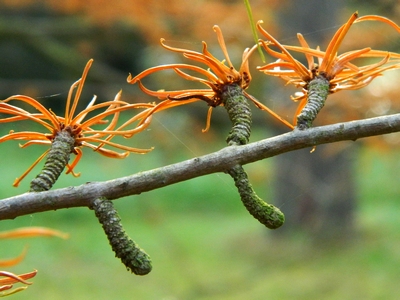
x,y
219,161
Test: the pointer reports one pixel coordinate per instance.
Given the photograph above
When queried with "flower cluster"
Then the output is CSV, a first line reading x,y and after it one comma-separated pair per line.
x,y
217,76
340,72
75,127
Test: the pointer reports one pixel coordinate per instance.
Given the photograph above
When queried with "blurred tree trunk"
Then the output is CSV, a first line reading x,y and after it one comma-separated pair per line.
x,y
315,190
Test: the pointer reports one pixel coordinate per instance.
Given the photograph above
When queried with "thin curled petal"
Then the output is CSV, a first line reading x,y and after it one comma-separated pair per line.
x,y
14,291
161,94
19,116
301,69
19,179
32,231
69,112
244,67
70,167
222,44
7,283
13,278
35,142
13,261
133,79
270,111
116,145
208,120
379,19
94,120
336,41
34,103
24,135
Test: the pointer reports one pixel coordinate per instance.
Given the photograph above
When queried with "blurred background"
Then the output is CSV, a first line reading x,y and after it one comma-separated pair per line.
x,y
341,238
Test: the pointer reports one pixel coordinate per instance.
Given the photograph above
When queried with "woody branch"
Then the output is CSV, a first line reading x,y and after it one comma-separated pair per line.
x,y
219,161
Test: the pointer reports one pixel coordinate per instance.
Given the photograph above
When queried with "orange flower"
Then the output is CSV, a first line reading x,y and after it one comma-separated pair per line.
x,y
11,278
338,70
216,77
75,126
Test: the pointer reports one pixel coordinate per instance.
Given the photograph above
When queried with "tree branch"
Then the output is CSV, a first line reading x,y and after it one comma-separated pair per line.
x,y
219,161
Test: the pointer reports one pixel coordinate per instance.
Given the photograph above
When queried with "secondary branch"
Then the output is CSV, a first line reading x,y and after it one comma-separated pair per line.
x,y
219,161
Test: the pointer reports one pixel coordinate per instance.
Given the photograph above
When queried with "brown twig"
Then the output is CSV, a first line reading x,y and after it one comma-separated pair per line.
x,y
219,161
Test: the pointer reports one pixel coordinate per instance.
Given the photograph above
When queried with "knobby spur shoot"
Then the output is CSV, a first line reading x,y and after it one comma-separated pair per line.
x,y
332,73
132,256
226,87
69,133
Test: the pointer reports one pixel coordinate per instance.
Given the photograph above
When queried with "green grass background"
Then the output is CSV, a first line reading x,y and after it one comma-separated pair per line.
x,y
203,243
